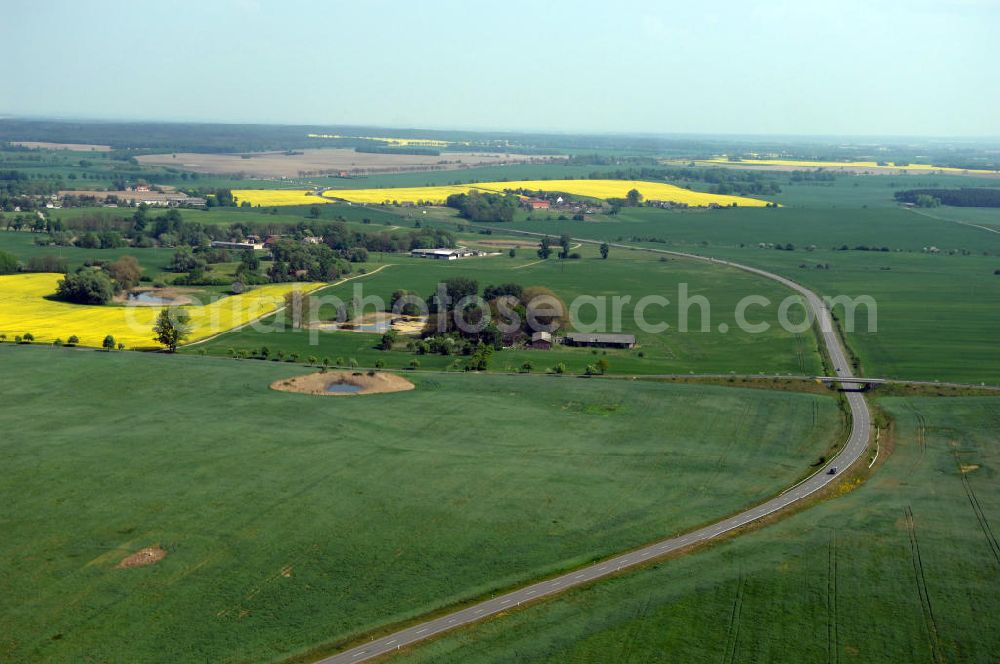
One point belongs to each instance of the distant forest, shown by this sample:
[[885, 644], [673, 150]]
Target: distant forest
[[965, 197]]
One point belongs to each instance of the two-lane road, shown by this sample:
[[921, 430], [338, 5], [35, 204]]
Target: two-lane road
[[852, 450]]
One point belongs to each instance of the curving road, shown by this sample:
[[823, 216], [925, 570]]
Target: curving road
[[852, 450]]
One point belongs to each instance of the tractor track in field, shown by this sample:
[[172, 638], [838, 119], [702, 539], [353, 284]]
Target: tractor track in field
[[733, 633], [833, 616], [930, 622], [977, 508]]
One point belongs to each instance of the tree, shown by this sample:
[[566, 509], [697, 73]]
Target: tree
[[86, 287], [605, 248], [545, 248], [314, 212], [8, 263], [513, 252], [388, 339], [125, 271], [73, 340], [603, 365], [28, 337], [171, 328], [108, 343], [633, 198], [299, 306], [564, 243]]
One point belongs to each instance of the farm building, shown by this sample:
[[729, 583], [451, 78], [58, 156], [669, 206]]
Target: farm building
[[541, 341], [219, 244], [600, 340], [446, 254], [537, 204]]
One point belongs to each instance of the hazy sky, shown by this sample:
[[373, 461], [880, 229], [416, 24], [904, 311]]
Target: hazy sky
[[921, 67]]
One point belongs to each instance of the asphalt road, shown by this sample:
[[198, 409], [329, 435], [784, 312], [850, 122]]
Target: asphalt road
[[852, 450]]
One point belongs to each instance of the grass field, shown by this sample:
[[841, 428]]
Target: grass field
[[602, 189], [873, 166], [291, 520], [26, 307], [902, 569], [633, 275], [937, 312]]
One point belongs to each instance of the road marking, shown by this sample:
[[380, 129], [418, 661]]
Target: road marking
[[421, 631]]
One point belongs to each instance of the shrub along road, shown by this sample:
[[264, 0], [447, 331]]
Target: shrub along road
[[852, 450]]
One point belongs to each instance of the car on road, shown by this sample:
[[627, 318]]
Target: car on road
[[832, 471]]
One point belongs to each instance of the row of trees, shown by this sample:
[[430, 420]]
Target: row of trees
[[964, 197]]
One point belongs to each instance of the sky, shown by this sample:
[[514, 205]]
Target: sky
[[845, 67]]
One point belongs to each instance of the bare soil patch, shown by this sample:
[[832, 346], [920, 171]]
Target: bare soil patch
[[143, 557], [75, 147], [319, 383], [507, 244], [328, 161]]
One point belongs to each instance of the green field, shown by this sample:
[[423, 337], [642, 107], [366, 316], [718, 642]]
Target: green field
[[292, 520], [902, 569], [632, 274], [937, 312]]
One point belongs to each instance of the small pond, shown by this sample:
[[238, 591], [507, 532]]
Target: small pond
[[343, 388], [148, 297]]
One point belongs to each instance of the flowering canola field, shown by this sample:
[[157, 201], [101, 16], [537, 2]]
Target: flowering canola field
[[603, 189], [278, 197], [23, 308], [873, 165]]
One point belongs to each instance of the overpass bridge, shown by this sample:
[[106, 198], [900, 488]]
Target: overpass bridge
[[859, 383]]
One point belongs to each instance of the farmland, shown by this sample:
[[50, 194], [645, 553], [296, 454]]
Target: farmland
[[26, 307], [600, 189], [259, 497], [915, 290], [630, 275], [846, 166], [842, 581], [319, 161]]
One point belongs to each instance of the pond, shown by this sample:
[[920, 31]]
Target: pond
[[147, 297], [343, 388], [380, 327]]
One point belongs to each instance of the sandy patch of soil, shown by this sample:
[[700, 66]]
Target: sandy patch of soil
[[969, 467], [318, 161], [143, 557], [317, 383]]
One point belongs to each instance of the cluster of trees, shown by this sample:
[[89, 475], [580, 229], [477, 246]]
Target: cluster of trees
[[545, 248], [501, 315], [299, 261], [389, 149], [477, 206], [964, 197], [99, 284], [144, 228]]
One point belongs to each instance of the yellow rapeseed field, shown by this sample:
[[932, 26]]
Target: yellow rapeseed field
[[603, 189], [872, 165], [277, 197], [24, 308]]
